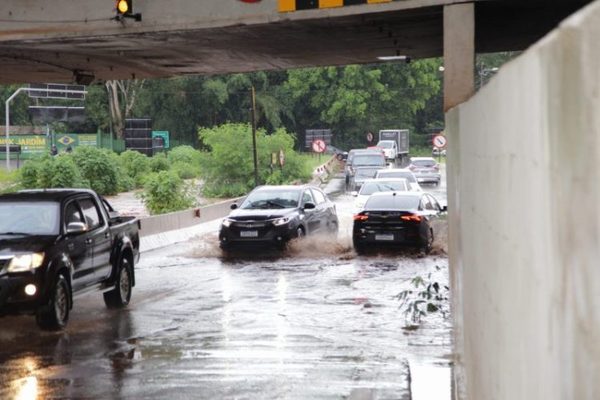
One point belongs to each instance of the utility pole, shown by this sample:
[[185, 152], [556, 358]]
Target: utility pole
[[254, 137]]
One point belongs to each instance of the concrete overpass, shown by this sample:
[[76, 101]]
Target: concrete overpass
[[522, 167], [61, 40]]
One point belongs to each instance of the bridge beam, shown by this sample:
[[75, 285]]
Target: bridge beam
[[459, 54]]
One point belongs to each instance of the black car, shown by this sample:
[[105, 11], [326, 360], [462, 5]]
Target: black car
[[272, 215], [396, 219]]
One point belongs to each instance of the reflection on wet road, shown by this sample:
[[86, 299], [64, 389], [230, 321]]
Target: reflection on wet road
[[314, 323]]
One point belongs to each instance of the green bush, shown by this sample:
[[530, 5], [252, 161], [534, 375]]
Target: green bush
[[135, 165], [185, 160], [184, 154], [51, 172], [96, 167], [228, 170], [165, 192], [159, 163], [125, 183]]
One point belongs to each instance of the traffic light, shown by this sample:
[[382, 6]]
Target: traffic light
[[125, 10]]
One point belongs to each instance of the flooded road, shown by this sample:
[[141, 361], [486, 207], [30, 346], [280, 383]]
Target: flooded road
[[316, 322]]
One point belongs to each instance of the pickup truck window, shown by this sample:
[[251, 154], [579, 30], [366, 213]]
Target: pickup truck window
[[72, 213], [90, 213], [27, 218]]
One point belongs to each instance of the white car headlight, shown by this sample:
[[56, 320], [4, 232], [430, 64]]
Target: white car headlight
[[227, 222], [26, 262], [282, 221]]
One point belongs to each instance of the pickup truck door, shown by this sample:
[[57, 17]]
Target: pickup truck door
[[99, 235], [78, 249]]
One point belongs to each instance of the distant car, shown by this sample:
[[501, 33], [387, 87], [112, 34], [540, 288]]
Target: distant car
[[272, 215], [378, 185], [362, 174], [362, 158], [426, 170], [390, 149], [400, 173], [397, 219]]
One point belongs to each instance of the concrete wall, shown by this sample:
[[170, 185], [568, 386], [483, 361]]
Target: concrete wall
[[524, 199]]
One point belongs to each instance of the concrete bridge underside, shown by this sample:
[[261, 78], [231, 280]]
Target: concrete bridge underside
[[43, 43]]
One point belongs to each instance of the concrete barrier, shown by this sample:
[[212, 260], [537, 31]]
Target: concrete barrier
[[524, 196], [162, 230]]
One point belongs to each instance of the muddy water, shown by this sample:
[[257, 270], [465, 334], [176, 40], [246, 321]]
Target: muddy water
[[314, 322]]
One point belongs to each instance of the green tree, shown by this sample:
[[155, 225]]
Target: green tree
[[228, 169]]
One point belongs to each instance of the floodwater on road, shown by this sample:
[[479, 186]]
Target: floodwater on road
[[316, 322]]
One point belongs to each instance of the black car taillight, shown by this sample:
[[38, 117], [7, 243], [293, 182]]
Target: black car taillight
[[411, 218]]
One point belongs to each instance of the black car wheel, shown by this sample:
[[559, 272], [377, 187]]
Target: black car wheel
[[54, 315], [427, 242], [120, 296], [359, 247]]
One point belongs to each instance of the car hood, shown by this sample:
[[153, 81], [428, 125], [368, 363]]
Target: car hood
[[15, 244], [260, 215]]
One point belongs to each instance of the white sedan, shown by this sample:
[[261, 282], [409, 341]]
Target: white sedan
[[378, 185]]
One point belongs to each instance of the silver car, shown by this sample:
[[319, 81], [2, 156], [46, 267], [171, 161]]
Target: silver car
[[426, 170]]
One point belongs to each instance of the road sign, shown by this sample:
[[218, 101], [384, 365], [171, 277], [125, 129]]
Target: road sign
[[313, 134], [57, 91], [281, 158], [440, 141], [319, 146], [370, 137]]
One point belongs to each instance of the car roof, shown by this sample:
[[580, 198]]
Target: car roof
[[422, 159], [396, 170], [379, 180], [399, 193], [44, 194], [284, 187]]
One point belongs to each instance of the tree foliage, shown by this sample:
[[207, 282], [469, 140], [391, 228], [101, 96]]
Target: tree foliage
[[165, 192], [228, 169]]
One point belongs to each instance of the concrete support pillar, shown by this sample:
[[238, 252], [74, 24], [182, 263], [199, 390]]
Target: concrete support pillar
[[459, 54]]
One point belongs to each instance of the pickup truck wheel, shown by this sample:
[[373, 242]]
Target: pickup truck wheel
[[54, 315], [121, 294]]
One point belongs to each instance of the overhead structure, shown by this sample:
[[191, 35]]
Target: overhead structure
[[43, 41]]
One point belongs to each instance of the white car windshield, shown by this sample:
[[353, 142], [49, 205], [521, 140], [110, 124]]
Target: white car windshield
[[382, 186], [409, 176]]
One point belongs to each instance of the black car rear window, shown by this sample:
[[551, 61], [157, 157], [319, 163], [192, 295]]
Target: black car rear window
[[397, 202]]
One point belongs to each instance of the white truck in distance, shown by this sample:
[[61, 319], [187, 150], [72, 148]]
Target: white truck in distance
[[394, 143]]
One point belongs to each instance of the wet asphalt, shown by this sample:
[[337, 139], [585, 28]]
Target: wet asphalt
[[316, 322]]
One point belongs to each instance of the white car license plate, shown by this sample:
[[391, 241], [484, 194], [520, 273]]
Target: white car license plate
[[248, 234], [384, 237]]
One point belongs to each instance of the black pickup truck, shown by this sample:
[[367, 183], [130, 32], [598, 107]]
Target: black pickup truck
[[59, 242]]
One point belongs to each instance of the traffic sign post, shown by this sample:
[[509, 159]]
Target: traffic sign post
[[62, 92], [439, 142]]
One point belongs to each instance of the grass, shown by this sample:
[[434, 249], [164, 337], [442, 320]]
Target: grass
[[312, 160], [7, 180]]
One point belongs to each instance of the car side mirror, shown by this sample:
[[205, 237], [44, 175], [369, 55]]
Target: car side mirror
[[309, 206], [233, 206], [75, 228], [444, 208], [354, 193], [113, 216]]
